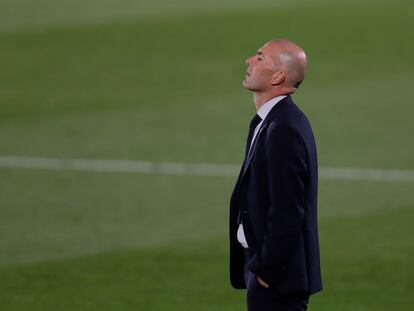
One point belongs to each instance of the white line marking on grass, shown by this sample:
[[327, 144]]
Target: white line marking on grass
[[371, 174], [117, 166], [199, 169]]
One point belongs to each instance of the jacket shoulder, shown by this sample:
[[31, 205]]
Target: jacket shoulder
[[289, 117]]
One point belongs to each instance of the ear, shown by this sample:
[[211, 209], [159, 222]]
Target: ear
[[278, 77]]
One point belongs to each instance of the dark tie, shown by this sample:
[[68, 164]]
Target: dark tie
[[255, 121]]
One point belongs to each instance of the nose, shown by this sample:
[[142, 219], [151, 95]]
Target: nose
[[248, 60]]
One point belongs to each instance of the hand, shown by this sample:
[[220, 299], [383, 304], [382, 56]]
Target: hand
[[261, 282]]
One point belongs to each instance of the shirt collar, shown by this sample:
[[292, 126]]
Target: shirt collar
[[267, 106]]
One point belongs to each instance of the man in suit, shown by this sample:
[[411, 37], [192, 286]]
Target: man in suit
[[274, 248]]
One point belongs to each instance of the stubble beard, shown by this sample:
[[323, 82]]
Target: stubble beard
[[248, 85]]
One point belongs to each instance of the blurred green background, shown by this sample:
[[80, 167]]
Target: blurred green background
[[161, 81]]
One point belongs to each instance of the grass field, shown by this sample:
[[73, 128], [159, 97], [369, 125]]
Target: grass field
[[161, 81]]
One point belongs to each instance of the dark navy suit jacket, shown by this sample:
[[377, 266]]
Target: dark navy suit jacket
[[276, 196]]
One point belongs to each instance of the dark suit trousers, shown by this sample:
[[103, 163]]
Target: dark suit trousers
[[260, 298]]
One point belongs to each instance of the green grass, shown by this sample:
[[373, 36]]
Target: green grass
[[162, 82], [366, 271]]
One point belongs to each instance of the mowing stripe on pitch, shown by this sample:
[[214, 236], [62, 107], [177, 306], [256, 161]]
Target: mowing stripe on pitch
[[200, 169]]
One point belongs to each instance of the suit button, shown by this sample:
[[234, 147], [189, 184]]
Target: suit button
[[283, 268]]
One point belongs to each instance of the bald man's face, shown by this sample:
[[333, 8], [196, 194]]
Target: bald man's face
[[261, 68], [278, 67]]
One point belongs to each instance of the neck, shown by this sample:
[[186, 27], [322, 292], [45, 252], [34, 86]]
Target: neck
[[261, 98]]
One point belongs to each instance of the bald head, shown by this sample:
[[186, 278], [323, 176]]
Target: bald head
[[278, 68], [290, 58]]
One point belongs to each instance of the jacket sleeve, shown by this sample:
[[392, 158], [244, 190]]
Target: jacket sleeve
[[287, 165]]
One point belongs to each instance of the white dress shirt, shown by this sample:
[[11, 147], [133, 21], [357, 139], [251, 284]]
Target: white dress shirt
[[262, 112]]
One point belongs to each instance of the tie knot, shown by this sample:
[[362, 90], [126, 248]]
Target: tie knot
[[255, 121]]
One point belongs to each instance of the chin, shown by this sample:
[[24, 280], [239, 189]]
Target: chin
[[246, 85]]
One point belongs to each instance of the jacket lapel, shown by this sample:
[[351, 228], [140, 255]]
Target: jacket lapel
[[272, 114], [253, 148]]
